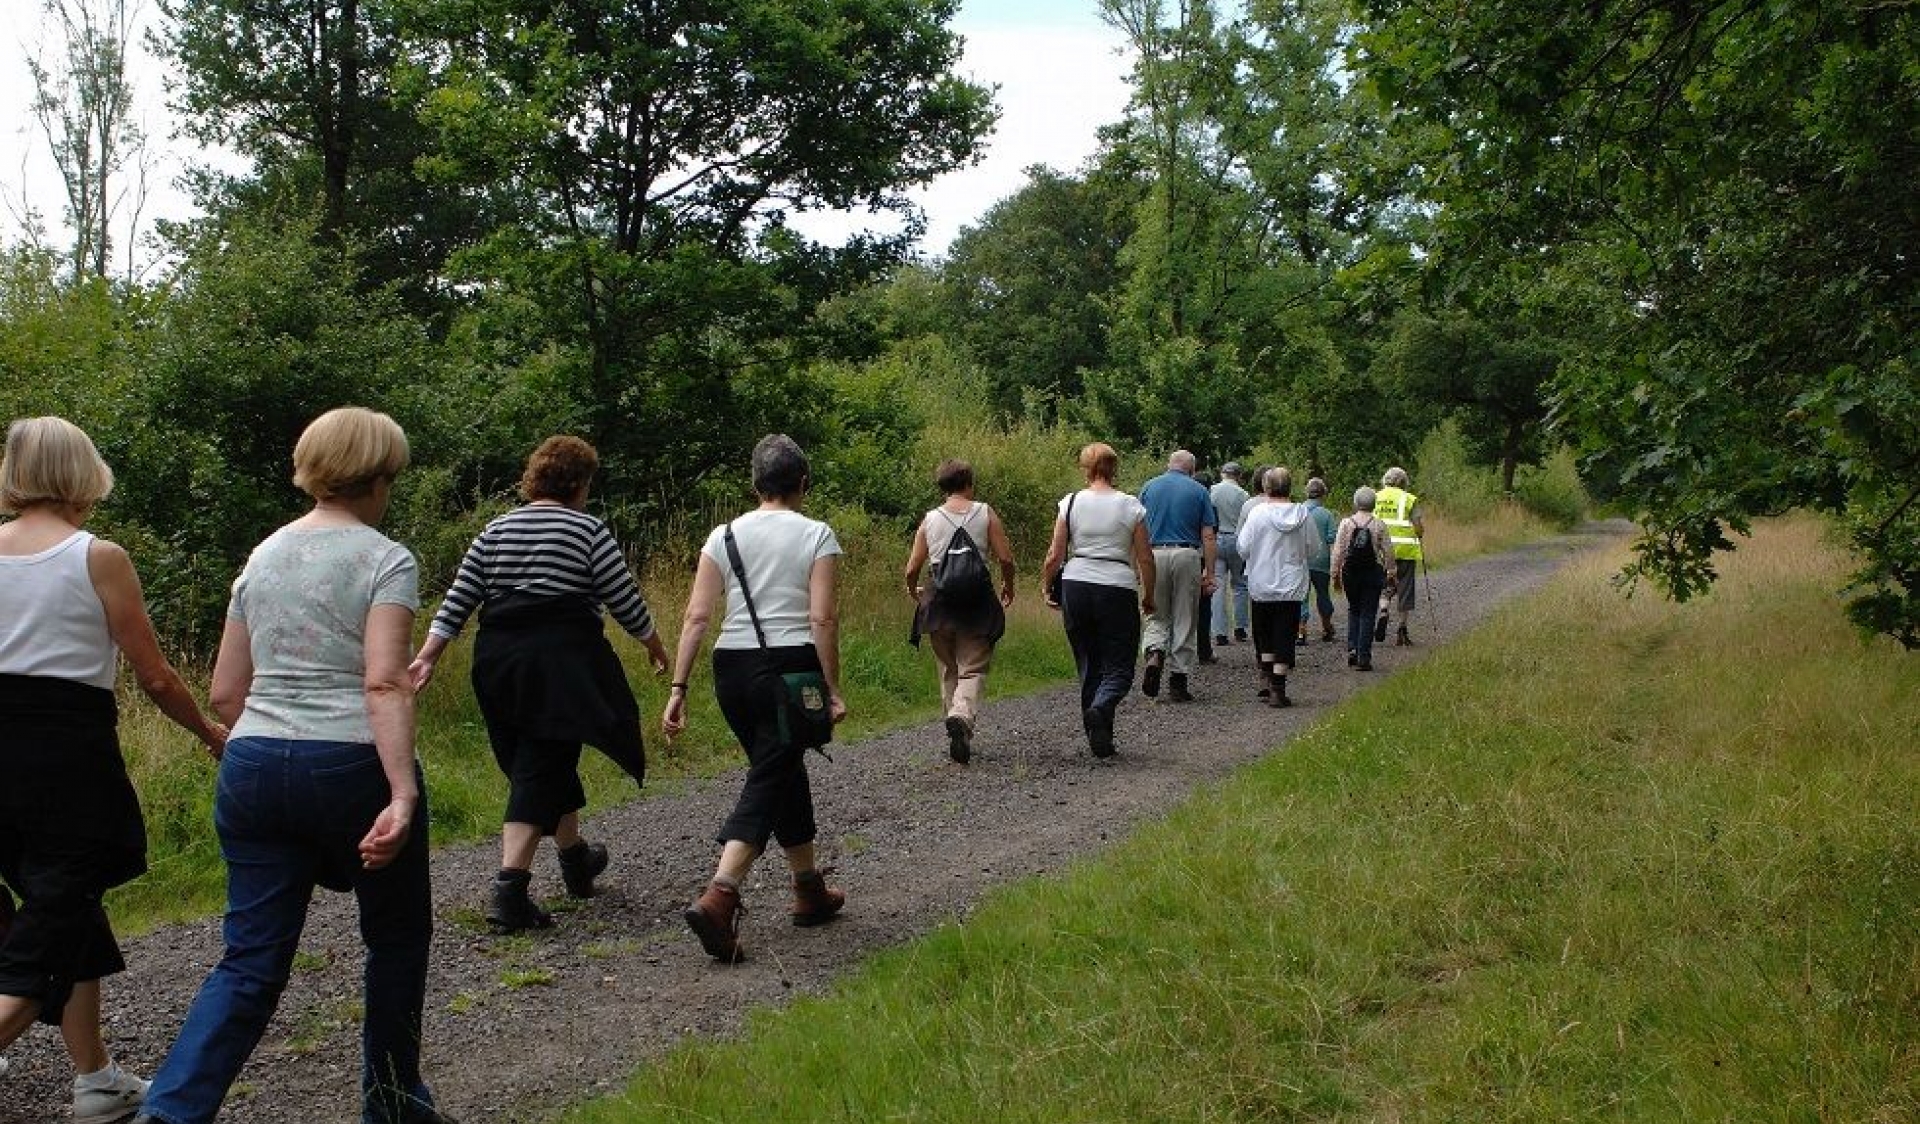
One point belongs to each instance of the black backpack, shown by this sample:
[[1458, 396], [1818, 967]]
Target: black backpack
[[961, 580], [1361, 561]]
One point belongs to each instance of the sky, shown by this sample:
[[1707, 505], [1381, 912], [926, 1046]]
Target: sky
[[1059, 71]]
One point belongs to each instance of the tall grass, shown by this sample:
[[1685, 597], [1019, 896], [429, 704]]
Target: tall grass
[[1601, 860]]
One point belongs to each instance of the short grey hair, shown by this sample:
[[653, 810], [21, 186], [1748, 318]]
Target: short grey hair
[[1279, 482], [780, 469], [1182, 461], [1394, 478], [1316, 487], [1363, 498]]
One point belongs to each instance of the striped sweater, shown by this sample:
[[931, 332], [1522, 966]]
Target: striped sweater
[[544, 550]]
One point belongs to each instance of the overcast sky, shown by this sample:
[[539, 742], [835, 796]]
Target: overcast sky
[[1058, 68]]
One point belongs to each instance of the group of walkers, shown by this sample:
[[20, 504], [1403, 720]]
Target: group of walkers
[[313, 689]]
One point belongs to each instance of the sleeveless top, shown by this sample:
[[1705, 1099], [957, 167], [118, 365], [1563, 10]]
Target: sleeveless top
[[939, 524], [52, 624]]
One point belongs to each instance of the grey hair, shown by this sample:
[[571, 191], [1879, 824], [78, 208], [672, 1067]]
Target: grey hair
[[1316, 487], [1279, 482], [1394, 478], [1363, 498], [1182, 461], [780, 468]]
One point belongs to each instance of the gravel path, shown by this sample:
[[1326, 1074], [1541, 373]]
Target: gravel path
[[519, 1027]]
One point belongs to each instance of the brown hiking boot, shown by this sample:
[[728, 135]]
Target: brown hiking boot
[[814, 903], [1326, 628], [714, 918]]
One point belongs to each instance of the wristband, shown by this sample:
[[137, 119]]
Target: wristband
[[676, 686]]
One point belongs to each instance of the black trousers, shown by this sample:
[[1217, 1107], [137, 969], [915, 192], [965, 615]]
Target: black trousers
[[1276, 628], [776, 802], [1103, 627]]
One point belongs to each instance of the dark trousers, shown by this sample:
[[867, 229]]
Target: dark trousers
[[1103, 627], [776, 802], [290, 816], [1276, 628], [59, 936], [1363, 602]]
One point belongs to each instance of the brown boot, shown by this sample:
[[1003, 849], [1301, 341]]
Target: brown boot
[[714, 918], [1326, 628], [813, 902]]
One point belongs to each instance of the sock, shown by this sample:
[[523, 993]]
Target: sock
[[99, 1079], [509, 874]]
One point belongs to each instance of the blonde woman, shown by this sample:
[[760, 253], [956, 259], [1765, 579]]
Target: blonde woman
[[70, 826], [319, 786]]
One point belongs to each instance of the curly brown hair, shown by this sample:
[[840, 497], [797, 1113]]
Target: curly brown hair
[[559, 469]]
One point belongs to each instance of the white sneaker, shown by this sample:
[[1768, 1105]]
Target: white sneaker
[[110, 1101]]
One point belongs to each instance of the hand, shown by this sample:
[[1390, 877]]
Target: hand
[[1208, 584], [1006, 595], [837, 707], [916, 592], [420, 671], [659, 662], [1146, 604], [388, 835], [674, 718], [217, 745]]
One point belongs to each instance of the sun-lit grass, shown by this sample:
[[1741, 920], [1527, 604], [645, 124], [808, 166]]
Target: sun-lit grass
[[1600, 860]]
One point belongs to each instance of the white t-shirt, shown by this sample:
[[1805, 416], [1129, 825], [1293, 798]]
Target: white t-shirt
[[1100, 537], [1277, 539], [778, 550], [51, 621]]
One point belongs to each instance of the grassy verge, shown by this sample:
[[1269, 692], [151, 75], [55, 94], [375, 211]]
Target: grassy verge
[[1603, 859], [888, 684]]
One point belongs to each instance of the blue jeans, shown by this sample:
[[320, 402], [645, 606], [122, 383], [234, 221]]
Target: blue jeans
[[290, 816], [1230, 584]]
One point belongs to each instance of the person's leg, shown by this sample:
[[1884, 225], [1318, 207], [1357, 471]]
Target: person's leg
[[270, 878], [1157, 635], [1261, 626], [1406, 576], [1183, 583], [942, 641], [396, 925], [1080, 622], [972, 659], [1119, 645], [1323, 598], [518, 844], [80, 1028], [1222, 588], [1366, 606], [1237, 578]]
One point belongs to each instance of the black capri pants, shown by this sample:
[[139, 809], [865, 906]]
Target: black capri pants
[[776, 802]]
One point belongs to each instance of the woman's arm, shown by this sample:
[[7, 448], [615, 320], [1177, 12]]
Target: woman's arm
[[1342, 542], [707, 587], [1056, 557], [390, 713], [1002, 548], [118, 587], [232, 672], [1143, 563], [824, 614], [916, 558]]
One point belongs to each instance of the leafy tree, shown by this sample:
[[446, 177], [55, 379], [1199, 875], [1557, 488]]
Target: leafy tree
[[1736, 181], [1491, 372], [84, 105]]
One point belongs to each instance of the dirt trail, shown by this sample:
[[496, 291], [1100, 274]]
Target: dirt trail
[[520, 1027]]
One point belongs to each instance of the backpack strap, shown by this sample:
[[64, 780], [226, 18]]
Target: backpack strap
[[746, 591]]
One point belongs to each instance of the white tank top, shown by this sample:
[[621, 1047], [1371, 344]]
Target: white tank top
[[51, 621]]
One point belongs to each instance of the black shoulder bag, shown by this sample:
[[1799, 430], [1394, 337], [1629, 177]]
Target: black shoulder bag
[[1053, 587], [804, 717]]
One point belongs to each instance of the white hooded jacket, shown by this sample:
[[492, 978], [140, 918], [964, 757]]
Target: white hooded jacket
[[1277, 539]]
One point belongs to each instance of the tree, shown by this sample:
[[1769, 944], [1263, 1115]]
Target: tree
[[1736, 183], [84, 105], [1491, 371], [658, 149]]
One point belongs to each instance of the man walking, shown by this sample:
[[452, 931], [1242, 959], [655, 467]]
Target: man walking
[[1230, 571], [1180, 525], [1399, 509]]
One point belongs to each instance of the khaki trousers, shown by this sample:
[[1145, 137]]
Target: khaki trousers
[[1174, 627], [964, 658]]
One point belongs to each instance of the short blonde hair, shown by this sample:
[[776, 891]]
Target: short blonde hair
[[51, 460], [344, 451], [1099, 461]]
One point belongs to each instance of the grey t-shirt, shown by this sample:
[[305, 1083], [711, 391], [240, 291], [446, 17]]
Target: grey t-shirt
[[304, 598]]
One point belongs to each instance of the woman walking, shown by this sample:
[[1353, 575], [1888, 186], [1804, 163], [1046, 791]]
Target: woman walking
[[1276, 537], [546, 678], [1101, 554], [319, 785], [70, 825], [960, 616], [775, 571], [1362, 561]]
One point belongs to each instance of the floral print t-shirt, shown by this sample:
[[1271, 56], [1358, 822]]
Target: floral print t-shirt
[[304, 597]]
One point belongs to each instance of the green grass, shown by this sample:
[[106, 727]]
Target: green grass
[[1600, 860]]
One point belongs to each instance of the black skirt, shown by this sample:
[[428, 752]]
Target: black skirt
[[62, 776], [543, 669]]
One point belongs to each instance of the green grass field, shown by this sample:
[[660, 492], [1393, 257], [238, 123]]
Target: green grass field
[[1600, 860], [887, 684]]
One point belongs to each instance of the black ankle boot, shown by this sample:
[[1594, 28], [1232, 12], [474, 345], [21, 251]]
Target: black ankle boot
[[580, 864], [510, 908]]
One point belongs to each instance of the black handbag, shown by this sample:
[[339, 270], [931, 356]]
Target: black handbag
[[804, 718], [1053, 584]]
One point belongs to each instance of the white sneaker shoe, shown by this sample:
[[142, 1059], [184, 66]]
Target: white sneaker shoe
[[107, 1101]]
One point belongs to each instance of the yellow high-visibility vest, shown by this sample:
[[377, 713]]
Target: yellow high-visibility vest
[[1394, 506]]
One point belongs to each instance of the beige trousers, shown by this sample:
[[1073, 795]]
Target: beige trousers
[[964, 659], [1174, 627]]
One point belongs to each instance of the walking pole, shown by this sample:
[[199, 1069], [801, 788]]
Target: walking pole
[[1426, 582]]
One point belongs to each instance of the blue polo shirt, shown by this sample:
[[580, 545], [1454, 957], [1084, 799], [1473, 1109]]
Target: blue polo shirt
[[1178, 506]]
